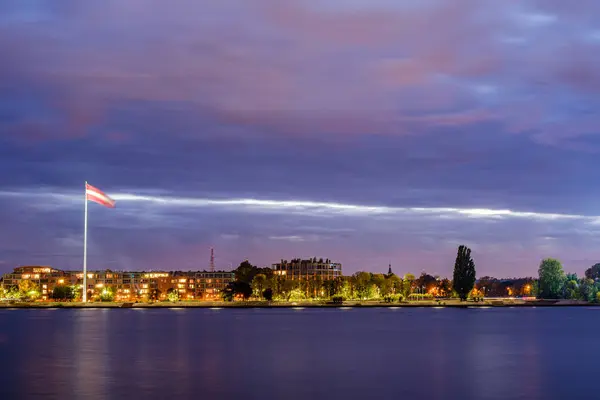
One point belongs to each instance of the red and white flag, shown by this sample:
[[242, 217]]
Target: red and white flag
[[98, 196]]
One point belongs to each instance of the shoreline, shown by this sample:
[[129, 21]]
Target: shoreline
[[250, 304]]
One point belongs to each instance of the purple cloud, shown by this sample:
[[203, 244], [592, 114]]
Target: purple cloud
[[431, 104]]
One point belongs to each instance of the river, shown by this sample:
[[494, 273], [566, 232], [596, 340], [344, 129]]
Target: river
[[374, 353]]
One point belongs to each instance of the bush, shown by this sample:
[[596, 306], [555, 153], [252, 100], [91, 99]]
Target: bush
[[337, 299], [598, 297], [268, 294], [390, 298], [107, 295], [419, 296]]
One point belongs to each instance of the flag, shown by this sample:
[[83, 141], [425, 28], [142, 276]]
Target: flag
[[98, 196]]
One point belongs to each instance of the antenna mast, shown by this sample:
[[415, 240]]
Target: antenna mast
[[212, 259]]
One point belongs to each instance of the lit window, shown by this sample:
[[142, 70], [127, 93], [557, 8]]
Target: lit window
[[90, 276], [99, 285], [61, 281], [145, 286], [183, 280]]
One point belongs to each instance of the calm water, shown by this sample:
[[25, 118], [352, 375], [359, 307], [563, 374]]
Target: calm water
[[543, 353]]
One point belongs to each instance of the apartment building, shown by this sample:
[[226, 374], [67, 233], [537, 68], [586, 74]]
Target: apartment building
[[298, 269], [126, 285]]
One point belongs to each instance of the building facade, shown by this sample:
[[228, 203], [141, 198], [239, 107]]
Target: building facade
[[125, 285], [298, 269]]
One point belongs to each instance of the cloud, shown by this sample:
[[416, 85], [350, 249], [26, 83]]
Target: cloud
[[293, 68], [352, 120], [157, 232], [307, 207], [288, 238]]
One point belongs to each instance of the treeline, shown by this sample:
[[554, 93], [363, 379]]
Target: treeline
[[262, 283], [552, 283]]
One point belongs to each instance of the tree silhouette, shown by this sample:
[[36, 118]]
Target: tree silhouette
[[464, 272]]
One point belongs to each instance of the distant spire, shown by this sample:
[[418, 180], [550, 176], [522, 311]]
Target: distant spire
[[390, 269]]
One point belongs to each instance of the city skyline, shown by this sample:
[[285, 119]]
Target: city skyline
[[273, 129]]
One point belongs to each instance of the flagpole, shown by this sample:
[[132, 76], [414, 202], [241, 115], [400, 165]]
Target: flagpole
[[85, 223]]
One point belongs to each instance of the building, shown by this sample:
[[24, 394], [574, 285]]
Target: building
[[210, 284], [125, 285], [298, 269]]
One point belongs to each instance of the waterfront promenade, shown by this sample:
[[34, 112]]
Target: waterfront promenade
[[305, 304]]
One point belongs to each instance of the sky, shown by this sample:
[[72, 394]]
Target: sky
[[369, 133]]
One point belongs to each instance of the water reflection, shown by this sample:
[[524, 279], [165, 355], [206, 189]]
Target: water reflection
[[283, 353], [90, 353]]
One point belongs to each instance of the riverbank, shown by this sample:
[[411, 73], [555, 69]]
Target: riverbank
[[313, 304]]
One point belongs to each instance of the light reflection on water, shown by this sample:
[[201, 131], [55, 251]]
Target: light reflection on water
[[282, 353]]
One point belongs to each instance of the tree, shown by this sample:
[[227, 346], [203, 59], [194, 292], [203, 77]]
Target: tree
[[407, 285], [333, 286], [364, 287], [571, 287], [228, 293], [258, 283], [593, 272], [345, 290], [296, 295], [444, 288], [426, 281], [463, 279], [173, 295], [107, 294], [28, 289], [390, 285], [551, 279], [287, 287], [379, 281], [246, 272], [268, 294], [242, 288], [587, 289], [63, 292], [236, 288], [12, 293]]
